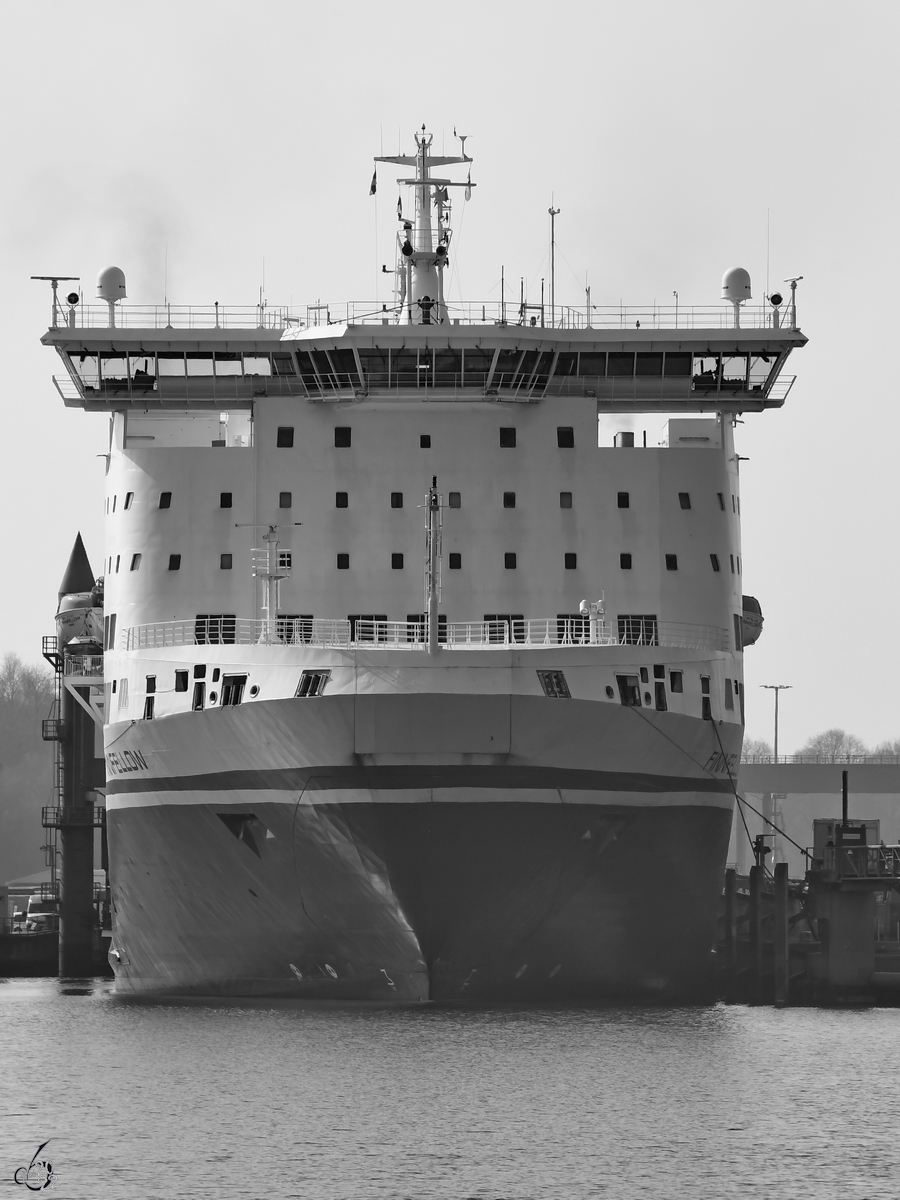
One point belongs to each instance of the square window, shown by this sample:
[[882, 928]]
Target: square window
[[225, 562], [455, 500], [224, 499], [554, 685], [509, 562], [565, 499], [704, 685], [714, 560], [135, 562], [151, 684], [571, 562], [508, 437], [509, 499], [455, 562], [622, 500], [425, 441], [343, 562], [396, 499], [676, 681], [342, 435], [659, 671], [285, 559], [684, 499], [341, 500], [284, 500], [645, 675], [165, 499], [671, 562], [565, 437], [174, 562], [181, 681], [396, 562], [625, 562], [285, 437], [200, 671], [129, 498]]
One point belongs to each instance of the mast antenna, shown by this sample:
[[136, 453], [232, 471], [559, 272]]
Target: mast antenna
[[554, 212]]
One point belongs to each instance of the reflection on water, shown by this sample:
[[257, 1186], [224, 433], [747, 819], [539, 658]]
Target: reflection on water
[[281, 1099]]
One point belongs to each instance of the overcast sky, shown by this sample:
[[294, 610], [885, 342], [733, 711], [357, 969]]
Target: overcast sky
[[189, 142]]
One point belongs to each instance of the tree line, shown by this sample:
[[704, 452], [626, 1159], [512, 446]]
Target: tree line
[[26, 765], [834, 744]]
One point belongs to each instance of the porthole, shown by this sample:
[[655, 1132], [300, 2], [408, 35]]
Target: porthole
[[254, 691], [647, 697], [610, 693], [213, 696]]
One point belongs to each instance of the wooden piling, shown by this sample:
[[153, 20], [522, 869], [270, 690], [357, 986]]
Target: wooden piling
[[756, 944], [780, 944], [730, 940]]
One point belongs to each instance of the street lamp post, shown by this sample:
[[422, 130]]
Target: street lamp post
[[776, 688]]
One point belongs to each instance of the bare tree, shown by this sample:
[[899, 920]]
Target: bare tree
[[891, 746], [26, 765], [756, 748], [834, 744]]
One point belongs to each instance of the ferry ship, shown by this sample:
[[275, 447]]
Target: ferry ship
[[423, 669]]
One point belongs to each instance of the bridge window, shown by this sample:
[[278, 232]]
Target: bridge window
[[678, 365], [257, 364], [566, 363], [649, 364], [227, 363], [476, 367], [592, 364], [283, 364], [214, 629], [620, 366], [199, 362]]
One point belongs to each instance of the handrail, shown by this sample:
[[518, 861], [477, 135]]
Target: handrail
[[846, 760], [285, 318], [411, 635]]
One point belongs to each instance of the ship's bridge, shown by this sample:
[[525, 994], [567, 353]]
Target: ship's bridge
[[643, 359]]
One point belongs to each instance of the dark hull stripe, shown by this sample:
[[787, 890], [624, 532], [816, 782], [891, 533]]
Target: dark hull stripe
[[422, 776]]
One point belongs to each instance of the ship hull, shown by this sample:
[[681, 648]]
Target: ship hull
[[556, 870]]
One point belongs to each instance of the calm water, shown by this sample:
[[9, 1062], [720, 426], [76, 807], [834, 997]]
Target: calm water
[[281, 1100]]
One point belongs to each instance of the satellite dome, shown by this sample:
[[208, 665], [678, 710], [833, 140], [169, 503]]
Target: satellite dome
[[111, 284], [736, 285]]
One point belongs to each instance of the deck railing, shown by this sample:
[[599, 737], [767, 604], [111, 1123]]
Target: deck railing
[[412, 635], [374, 312]]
